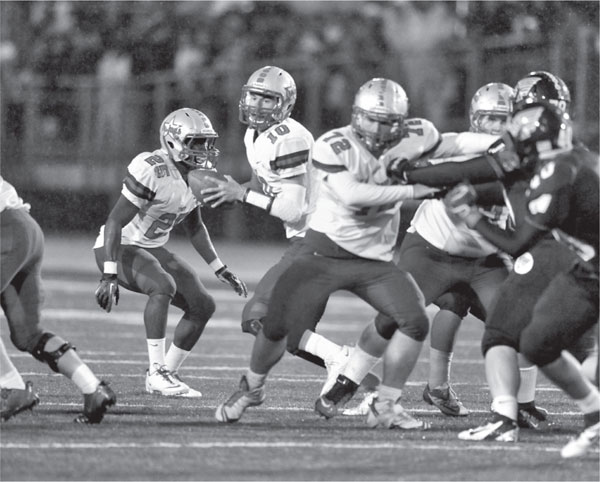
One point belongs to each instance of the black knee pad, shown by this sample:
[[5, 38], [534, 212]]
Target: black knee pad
[[493, 338], [50, 358]]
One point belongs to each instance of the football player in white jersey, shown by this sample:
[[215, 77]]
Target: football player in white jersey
[[284, 183], [349, 244], [21, 290], [130, 249]]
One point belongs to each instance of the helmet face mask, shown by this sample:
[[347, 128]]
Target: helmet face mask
[[189, 138], [378, 113], [490, 108], [540, 131], [541, 86], [267, 98]]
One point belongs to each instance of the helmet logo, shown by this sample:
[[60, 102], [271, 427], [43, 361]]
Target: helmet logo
[[172, 128]]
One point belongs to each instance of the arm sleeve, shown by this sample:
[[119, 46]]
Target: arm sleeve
[[358, 194], [514, 242], [479, 170], [464, 143]]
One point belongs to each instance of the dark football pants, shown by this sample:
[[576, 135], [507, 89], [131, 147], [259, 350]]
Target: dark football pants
[[300, 297], [21, 254], [437, 273], [158, 271], [565, 311], [257, 306], [513, 308]]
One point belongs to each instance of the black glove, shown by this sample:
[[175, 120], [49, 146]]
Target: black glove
[[503, 152], [226, 276], [396, 169], [106, 291]]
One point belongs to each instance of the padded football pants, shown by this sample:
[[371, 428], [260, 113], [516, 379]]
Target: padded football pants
[[22, 251]]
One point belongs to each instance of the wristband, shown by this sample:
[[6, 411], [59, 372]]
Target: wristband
[[257, 199], [216, 264], [110, 267]]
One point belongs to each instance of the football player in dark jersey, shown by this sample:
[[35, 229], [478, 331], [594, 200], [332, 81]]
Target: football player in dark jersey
[[561, 199]]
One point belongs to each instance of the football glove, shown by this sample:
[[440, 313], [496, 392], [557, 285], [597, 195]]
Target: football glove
[[225, 276], [396, 169], [107, 290]]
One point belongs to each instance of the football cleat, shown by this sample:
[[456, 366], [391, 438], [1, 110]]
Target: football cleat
[[583, 443], [342, 391], [16, 400], [389, 414], [191, 393], [363, 407], [95, 404], [446, 400], [233, 409], [531, 416], [162, 382], [500, 429]]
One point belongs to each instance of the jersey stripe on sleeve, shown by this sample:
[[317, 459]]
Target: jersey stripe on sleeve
[[328, 167], [290, 160], [138, 189]]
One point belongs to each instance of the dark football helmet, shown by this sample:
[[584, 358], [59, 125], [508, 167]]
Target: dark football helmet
[[541, 86], [539, 131]]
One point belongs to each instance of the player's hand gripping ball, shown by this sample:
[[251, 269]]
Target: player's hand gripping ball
[[199, 179]]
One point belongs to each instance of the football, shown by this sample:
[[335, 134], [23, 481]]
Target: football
[[201, 179]]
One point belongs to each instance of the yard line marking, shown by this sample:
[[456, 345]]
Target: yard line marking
[[409, 445]]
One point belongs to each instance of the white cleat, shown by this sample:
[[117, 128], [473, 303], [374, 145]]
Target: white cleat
[[191, 393], [162, 382], [501, 429], [387, 414], [233, 409], [362, 408], [584, 443]]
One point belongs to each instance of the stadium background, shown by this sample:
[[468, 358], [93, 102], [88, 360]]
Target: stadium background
[[85, 85]]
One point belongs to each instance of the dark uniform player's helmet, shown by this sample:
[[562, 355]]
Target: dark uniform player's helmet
[[541, 86], [539, 131]]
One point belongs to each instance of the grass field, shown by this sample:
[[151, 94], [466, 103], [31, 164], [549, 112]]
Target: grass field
[[145, 437]]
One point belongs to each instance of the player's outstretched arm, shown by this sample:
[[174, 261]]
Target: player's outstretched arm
[[200, 239]]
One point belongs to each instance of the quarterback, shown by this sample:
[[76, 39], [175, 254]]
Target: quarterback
[[130, 249]]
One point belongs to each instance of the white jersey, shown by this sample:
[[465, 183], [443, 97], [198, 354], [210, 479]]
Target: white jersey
[[369, 232], [431, 219], [9, 199], [283, 151], [156, 187]]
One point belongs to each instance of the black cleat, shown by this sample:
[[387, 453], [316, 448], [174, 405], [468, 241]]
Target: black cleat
[[95, 404], [341, 393], [16, 400], [531, 416]]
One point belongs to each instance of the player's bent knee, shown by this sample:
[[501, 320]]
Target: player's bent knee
[[492, 338], [274, 330], [538, 353], [50, 348], [201, 309], [385, 326], [416, 327]]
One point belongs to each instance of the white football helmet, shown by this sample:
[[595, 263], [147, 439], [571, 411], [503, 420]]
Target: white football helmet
[[269, 81], [378, 114], [188, 136], [494, 99]]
